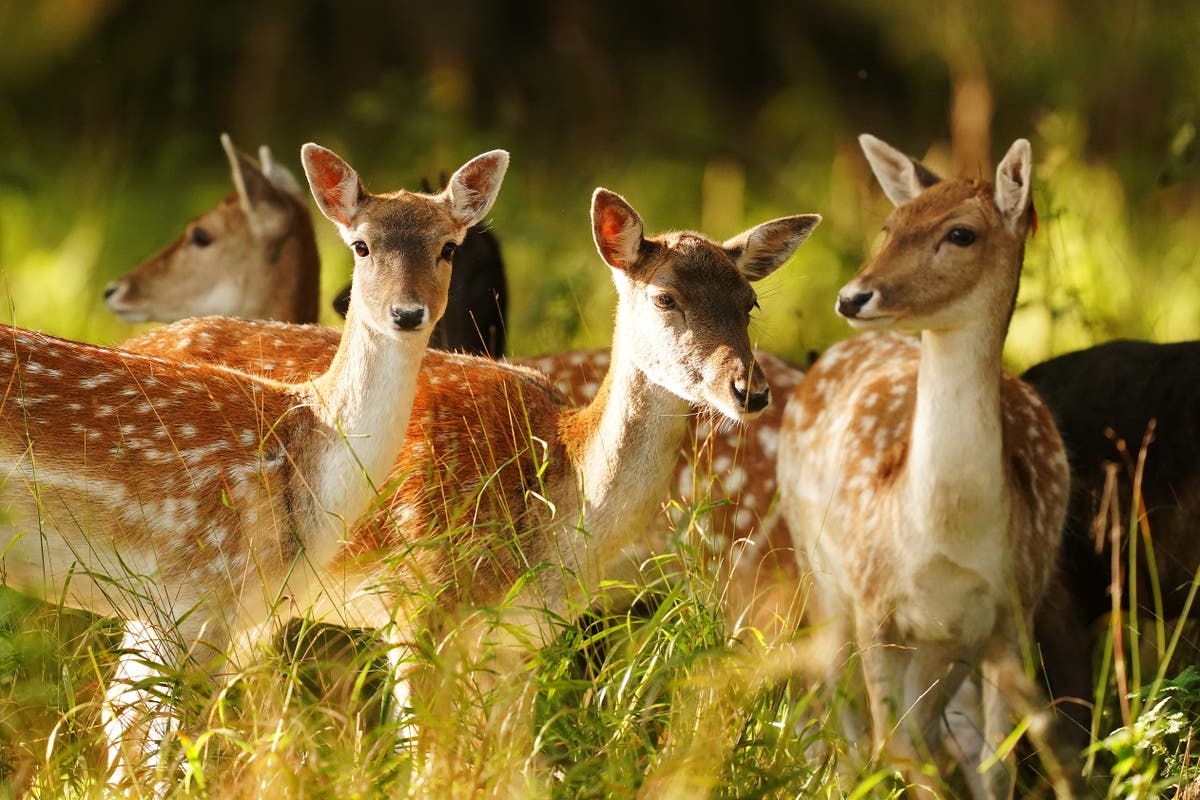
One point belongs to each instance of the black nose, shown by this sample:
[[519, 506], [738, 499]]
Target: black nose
[[407, 319], [850, 306], [752, 402], [110, 290]]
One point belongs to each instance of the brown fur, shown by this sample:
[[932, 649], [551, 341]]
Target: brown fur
[[926, 488], [734, 466]]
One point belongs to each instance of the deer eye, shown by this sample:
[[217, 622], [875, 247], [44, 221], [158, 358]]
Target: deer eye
[[360, 249], [961, 237], [448, 251], [664, 301], [201, 237]]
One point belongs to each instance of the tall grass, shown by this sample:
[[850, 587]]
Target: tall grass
[[660, 699]]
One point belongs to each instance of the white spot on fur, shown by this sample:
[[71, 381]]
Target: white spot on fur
[[95, 381], [735, 480]]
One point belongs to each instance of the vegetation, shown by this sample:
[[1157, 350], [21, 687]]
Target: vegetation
[[706, 115]]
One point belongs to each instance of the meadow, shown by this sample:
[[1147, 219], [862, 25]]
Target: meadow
[[665, 697]]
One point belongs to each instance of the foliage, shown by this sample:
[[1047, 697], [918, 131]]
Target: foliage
[[699, 129], [1157, 751], [705, 115]]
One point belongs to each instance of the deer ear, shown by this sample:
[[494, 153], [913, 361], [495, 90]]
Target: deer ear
[[279, 176], [764, 248], [1012, 183], [901, 177], [473, 188], [259, 198], [617, 229], [335, 186]]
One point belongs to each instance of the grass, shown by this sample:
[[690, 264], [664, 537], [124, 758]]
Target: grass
[[661, 699]]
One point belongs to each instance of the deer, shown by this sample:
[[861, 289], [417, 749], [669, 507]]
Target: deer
[[478, 295], [924, 487], [506, 492], [193, 501], [732, 466], [1110, 401], [254, 256]]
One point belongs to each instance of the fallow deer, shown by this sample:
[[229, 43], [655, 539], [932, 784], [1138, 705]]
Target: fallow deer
[[924, 487], [506, 495], [191, 499], [254, 256]]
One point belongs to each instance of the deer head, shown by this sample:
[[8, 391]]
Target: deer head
[[952, 249], [424, 253], [230, 260], [689, 298]]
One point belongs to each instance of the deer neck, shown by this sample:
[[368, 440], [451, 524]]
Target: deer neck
[[624, 446], [292, 278], [955, 477], [363, 403]]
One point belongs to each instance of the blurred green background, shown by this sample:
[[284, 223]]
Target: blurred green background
[[705, 115]]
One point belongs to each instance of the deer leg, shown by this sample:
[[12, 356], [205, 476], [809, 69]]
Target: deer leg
[[907, 686], [1009, 693], [998, 723], [400, 677], [963, 736], [138, 715], [934, 674]]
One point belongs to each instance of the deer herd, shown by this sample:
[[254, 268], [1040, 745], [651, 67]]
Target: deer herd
[[900, 509]]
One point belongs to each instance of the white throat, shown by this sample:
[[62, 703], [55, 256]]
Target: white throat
[[955, 473], [625, 466], [365, 401]]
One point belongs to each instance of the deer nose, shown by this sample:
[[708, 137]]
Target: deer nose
[[111, 289], [850, 306], [751, 402], [407, 319]]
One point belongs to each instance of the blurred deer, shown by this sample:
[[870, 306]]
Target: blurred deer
[[505, 495], [254, 256], [1109, 401], [924, 487], [192, 500]]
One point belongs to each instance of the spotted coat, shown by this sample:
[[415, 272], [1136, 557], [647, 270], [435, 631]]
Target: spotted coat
[[849, 424], [741, 531]]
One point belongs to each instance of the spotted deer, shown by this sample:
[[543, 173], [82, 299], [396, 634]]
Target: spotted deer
[[505, 493], [924, 487], [254, 256], [192, 500]]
